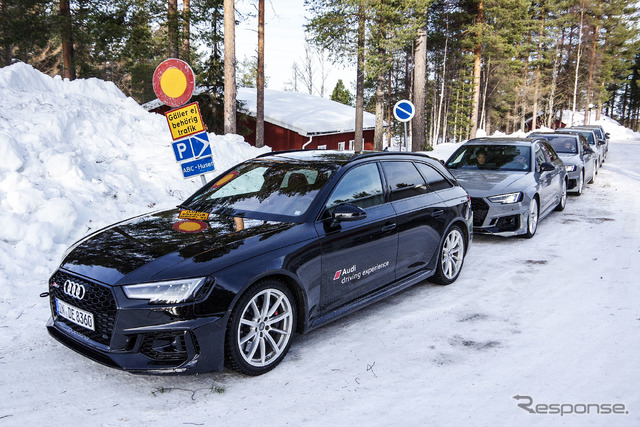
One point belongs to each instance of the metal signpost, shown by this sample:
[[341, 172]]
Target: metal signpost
[[174, 83], [404, 111]]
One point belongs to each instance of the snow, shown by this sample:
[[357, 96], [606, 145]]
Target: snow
[[303, 113], [555, 318]]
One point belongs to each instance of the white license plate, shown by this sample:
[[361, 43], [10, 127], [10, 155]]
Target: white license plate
[[74, 314]]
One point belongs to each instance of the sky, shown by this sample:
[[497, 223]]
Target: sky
[[284, 42]]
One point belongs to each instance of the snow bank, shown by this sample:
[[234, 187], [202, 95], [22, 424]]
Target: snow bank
[[76, 156]]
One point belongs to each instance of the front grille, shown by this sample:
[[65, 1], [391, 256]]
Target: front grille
[[98, 300], [480, 210]]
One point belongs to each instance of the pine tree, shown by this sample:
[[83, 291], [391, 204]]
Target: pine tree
[[341, 94]]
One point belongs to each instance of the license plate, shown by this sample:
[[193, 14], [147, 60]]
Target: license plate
[[74, 314]]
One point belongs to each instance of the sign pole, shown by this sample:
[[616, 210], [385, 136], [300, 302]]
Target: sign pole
[[404, 111], [406, 148]]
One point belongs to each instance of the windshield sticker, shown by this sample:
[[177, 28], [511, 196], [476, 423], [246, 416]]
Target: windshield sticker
[[222, 181], [186, 214], [190, 226], [351, 273]]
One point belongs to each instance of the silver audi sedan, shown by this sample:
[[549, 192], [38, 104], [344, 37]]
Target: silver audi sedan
[[513, 183], [578, 157]]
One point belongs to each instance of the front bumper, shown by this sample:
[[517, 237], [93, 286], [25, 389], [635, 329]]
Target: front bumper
[[159, 339], [499, 219], [573, 177]]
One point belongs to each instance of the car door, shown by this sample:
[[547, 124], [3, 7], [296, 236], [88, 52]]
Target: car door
[[421, 216], [546, 188], [358, 256], [587, 158]]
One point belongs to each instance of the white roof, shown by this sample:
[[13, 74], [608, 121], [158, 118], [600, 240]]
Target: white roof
[[303, 113]]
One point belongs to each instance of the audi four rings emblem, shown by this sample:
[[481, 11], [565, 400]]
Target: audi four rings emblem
[[74, 289]]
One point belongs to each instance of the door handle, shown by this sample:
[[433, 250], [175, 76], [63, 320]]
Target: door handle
[[437, 213], [388, 227]]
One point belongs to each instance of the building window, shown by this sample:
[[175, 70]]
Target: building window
[[341, 145], [322, 147], [351, 144]]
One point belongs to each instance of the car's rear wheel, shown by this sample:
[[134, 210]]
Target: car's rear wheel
[[532, 219], [261, 328], [563, 197], [451, 257]]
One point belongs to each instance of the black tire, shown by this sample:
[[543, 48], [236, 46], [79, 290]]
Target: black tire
[[563, 198], [256, 342], [450, 257], [580, 184], [532, 219]]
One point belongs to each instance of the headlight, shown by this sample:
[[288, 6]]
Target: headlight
[[506, 198], [570, 168], [170, 292]]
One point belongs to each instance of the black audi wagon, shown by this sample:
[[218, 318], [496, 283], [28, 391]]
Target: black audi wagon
[[279, 244]]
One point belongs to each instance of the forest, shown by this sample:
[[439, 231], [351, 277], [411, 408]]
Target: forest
[[465, 64]]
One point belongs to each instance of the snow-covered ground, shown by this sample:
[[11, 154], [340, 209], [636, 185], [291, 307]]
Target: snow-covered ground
[[554, 320]]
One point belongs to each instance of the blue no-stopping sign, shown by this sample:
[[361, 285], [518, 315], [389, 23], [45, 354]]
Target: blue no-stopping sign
[[404, 110]]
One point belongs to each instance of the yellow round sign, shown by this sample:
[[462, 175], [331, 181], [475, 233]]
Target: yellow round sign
[[173, 82]]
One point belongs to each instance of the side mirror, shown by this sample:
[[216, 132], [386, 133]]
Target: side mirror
[[348, 212], [588, 151], [547, 167], [607, 135]]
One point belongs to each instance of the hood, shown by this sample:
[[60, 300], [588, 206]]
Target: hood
[[152, 246], [479, 183]]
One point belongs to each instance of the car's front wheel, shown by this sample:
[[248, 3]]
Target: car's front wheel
[[580, 183], [532, 219], [261, 328], [451, 257], [563, 197]]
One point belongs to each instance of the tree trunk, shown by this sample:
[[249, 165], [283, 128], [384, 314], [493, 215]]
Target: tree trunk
[[575, 83], [592, 68], [441, 102], [229, 67], [69, 71], [186, 29], [477, 63], [5, 34], [358, 141], [536, 83], [172, 28], [419, 121], [260, 78]]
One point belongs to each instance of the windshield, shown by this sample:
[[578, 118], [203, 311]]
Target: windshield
[[563, 143], [260, 189], [492, 157]]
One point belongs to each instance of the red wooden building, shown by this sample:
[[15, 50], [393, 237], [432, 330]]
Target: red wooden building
[[297, 120]]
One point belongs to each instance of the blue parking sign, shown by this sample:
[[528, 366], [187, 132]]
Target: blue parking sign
[[194, 147], [197, 167]]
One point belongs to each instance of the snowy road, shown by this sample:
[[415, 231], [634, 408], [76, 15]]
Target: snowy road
[[555, 319]]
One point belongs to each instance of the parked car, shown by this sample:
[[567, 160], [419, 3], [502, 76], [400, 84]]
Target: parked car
[[513, 183], [602, 136], [281, 243], [590, 134], [576, 154]]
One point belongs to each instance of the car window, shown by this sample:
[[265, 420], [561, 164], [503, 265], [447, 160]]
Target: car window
[[360, 186], [258, 188], [404, 179], [491, 157], [563, 143], [434, 178], [540, 157], [549, 152]]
